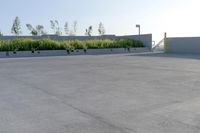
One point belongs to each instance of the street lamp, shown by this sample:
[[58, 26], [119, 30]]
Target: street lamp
[[138, 26]]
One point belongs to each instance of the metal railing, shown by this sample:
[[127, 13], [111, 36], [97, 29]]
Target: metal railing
[[159, 46]]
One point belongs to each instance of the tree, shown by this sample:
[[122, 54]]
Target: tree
[[1, 34], [66, 28], [75, 27], [16, 27], [55, 26], [88, 32], [58, 32], [101, 29], [31, 29], [39, 30], [29, 26], [52, 25]]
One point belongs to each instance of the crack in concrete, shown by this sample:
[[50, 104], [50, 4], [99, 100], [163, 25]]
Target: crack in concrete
[[91, 115]]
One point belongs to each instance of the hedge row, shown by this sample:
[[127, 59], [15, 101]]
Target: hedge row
[[48, 44]]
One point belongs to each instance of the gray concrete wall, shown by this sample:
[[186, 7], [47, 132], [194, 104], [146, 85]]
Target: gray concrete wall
[[187, 45], [146, 38], [76, 52]]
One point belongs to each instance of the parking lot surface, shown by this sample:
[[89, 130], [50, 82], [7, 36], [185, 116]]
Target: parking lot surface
[[143, 93]]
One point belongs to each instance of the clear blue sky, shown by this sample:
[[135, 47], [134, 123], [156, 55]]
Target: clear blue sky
[[176, 17]]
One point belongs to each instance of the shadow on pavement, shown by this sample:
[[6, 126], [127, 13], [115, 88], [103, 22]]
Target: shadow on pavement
[[167, 55]]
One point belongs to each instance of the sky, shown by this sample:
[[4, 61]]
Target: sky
[[176, 17]]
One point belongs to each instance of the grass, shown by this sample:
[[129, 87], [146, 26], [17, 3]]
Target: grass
[[48, 44]]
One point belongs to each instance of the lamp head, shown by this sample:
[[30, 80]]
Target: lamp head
[[137, 25]]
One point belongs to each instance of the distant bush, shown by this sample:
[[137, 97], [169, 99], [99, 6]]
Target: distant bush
[[48, 44]]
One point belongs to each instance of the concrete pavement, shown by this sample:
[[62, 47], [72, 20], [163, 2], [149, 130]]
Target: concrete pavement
[[100, 94]]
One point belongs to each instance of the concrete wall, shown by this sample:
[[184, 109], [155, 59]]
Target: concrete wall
[[76, 52], [187, 45], [146, 39]]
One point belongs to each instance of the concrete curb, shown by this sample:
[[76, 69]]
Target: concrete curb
[[71, 53]]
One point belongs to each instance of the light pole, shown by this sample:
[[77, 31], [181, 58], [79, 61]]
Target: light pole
[[138, 26]]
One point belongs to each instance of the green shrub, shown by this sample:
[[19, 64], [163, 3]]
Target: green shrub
[[48, 44]]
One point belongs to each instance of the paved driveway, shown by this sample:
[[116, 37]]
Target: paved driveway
[[100, 94]]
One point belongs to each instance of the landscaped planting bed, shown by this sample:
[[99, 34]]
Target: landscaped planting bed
[[48, 44]]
